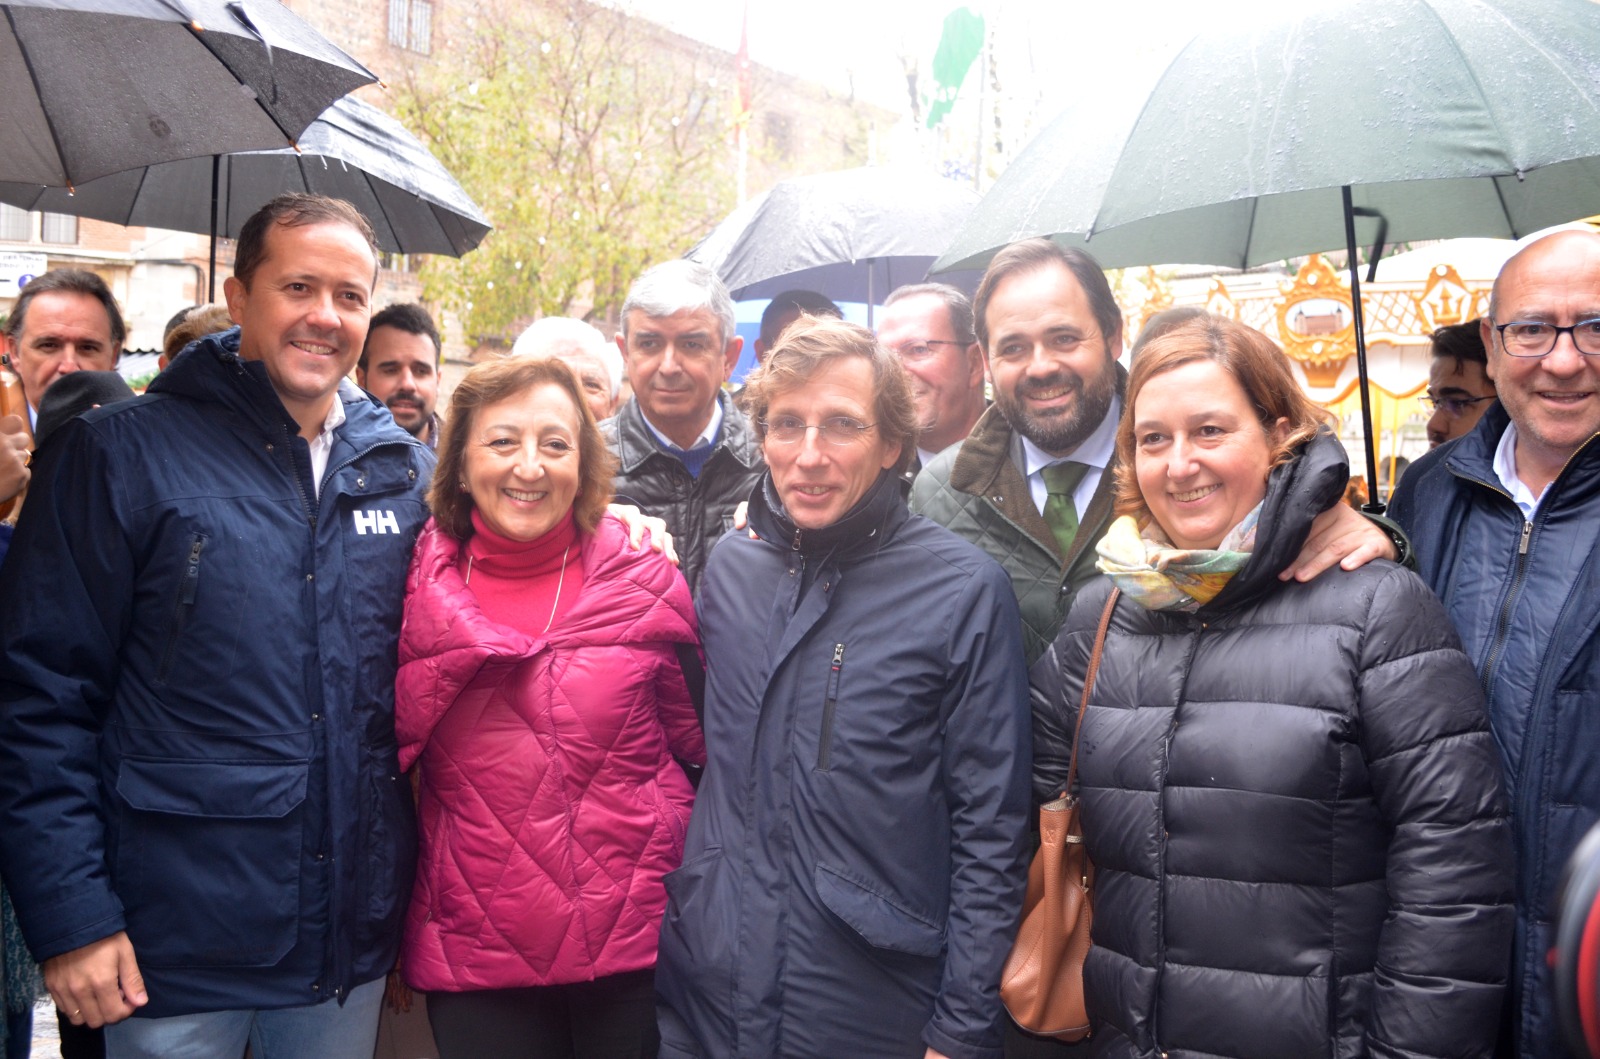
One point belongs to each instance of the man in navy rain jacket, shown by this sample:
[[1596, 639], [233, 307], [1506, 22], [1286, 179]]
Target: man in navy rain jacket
[[854, 866], [202, 823], [1506, 525]]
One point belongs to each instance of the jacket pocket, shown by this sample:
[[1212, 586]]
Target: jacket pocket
[[389, 862], [880, 922], [188, 590], [695, 964], [830, 701], [208, 860]]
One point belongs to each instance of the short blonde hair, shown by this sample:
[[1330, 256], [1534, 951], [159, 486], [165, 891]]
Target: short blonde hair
[[500, 380]]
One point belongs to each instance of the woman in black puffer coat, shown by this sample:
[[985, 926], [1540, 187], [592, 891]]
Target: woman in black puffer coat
[[1290, 792]]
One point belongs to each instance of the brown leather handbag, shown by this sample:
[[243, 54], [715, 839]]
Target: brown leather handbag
[[1042, 982]]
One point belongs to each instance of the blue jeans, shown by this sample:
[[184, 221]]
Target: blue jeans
[[324, 1030]]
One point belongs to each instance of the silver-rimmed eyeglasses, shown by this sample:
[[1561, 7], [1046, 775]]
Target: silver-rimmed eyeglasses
[[835, 430]]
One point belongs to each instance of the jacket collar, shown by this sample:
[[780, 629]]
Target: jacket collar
[[212, 371], [1472, 454], [636, 444], [862, 530], [1297, 492]]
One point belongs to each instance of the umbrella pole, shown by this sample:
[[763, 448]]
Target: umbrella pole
[[211, 274], [870, 263], [1373, 504]]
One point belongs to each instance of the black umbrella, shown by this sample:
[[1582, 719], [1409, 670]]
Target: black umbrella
[[853, 235], [354, 152], [91, 87]]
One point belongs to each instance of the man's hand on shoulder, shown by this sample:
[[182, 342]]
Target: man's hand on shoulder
[[639, 524], [1340, 535], [97, 984], [14, 471]]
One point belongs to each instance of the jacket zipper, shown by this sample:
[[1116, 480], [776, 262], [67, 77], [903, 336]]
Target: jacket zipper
[[825, 742], [1502, 625], [188, 587]]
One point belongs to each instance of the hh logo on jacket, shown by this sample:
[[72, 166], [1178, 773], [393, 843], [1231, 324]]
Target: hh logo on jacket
[[375, 522]]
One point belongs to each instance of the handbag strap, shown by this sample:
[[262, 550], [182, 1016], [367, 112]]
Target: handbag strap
[[1088, 684]]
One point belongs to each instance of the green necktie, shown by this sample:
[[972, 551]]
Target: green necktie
[[1061, 479]]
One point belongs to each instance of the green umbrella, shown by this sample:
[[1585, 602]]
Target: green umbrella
[[1410, 119]]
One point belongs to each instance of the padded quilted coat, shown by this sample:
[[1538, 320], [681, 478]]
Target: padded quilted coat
[[1294, 808], [550, 802]]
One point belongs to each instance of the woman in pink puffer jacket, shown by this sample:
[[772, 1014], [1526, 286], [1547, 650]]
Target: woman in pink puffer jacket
[[541, 695]]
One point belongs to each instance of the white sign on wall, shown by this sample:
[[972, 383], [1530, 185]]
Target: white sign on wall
[[16, 269]]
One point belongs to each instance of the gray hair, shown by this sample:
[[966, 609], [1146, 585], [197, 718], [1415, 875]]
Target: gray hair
[[545, 337], [956, 304], [680, 286]]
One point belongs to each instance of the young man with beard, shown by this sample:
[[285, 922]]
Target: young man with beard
[[399, 366]]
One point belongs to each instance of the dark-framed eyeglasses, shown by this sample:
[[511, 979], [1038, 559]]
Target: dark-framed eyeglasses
[[1455, 407], [835, 430], [1535, 338], [922, 350]]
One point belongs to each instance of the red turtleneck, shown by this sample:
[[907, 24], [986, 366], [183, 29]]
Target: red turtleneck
[[515, 582]]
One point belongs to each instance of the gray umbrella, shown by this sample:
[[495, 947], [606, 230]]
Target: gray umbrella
[[353, 152], [91, 87], [1419, 119], [853, 235]]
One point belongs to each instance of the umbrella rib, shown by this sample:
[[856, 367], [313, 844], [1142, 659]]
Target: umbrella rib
[[254, 96], [1094, 225], [133, 200], [384, 210], [1249, 232], [1472, 73], [1500, 196], [27, 59]]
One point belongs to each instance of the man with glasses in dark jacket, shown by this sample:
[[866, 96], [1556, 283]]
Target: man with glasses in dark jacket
[[202, 821], [1506, 525], [854, 867]]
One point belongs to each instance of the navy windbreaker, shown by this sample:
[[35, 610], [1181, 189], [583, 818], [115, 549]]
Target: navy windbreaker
[[197, 661], [854, 867], [1525, 597]]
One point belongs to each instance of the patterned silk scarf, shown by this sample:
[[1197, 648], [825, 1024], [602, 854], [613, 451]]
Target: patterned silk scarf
[[1158, 576]]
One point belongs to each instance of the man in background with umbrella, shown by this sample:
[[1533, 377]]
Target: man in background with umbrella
[[685, 453], [929, 326], [202, 822], [1506, 524]]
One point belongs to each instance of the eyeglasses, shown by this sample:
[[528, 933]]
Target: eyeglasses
[[924, 349], [1535, 338], [836, 430], [1455, 407]]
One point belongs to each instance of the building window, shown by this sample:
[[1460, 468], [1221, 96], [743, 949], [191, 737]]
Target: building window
[[15, 225], [411, 25], [59, 228]]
